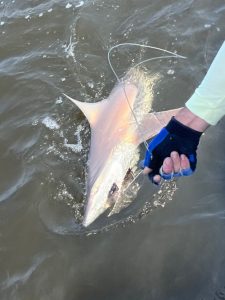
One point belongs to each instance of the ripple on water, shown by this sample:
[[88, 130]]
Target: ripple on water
[[63, 209], [23, 277], [17, 184]]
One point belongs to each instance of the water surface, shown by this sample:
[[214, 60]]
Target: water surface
[[163, 250]]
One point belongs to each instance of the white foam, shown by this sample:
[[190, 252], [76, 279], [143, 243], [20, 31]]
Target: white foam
[[81, 3], [59, 100], [74, 147], [2, 23], [53, 149], [170, 72], [78, 146], [68, 5], [50, 123], [90, 84], [69, 50], [50, 10]]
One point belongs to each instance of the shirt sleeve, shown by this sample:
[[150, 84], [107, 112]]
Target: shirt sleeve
[[208, 100]]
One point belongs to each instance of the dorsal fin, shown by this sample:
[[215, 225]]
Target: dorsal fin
[[90, 110]]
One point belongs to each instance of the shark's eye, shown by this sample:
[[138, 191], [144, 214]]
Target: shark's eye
[[114, 189]]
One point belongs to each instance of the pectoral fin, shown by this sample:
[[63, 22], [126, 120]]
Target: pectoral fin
[[91, 111], [153, 123]]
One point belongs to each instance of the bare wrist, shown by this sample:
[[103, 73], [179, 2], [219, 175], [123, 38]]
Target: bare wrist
[[186, 117]]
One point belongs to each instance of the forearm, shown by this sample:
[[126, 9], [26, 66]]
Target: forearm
[[208, 100], [186, 117]]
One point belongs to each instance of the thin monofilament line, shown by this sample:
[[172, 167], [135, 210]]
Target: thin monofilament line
[[137, 123], [141, 172], [173, 55], [139, 45]]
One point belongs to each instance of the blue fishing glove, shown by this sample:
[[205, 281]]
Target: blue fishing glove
[[174, 137]]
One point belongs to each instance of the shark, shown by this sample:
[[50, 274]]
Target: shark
[[119, 124]]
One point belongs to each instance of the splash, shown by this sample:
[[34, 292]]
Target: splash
[[69, 49], [50, 123], [78, 146]]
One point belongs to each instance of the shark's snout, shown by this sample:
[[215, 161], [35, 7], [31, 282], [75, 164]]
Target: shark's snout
[[98, 203], [92, 214], [87, 222]]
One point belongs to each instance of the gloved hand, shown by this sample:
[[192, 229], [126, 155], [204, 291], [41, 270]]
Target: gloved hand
[[174, 137]]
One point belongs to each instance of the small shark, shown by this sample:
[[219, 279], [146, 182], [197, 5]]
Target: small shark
[[119, 124]]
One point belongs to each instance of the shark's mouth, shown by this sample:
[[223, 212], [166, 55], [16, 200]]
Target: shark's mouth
[[117, 198], [113, 193]]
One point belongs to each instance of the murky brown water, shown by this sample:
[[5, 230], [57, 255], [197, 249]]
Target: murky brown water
[[175, 252]]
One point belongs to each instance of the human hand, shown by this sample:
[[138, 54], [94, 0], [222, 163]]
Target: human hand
[[173, 166], [172, 153]]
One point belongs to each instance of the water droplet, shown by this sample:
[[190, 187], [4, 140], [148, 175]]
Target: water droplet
[[170, 72], [59, 100], [35, 122], [91, 85]]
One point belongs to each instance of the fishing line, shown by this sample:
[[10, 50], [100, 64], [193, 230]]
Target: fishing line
[[143, 46], [140, 172], [172, 55]]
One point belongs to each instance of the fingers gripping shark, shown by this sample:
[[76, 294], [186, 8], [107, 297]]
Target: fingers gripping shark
[[118, 125]]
